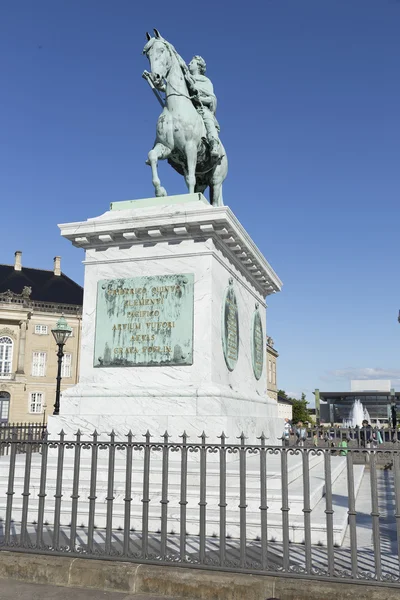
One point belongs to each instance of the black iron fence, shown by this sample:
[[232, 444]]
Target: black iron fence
[[336, 437], [20, 433], [292, 511]]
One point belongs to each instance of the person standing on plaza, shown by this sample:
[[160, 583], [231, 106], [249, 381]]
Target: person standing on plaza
[[366, 434], [287, 428], [301, 434]]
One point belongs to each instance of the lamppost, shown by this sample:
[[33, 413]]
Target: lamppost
[[61, 333]]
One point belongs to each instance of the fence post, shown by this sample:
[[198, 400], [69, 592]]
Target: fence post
[[375, 516], [203, 503], [242, 504], [307, 510], [352, 513], [164, 495], [128, 493], [75, 490], [92, 492], [10, 490], [183, 498], [285, 509], [263, 502], [58, 494], [396, 470], [42, 492], [110, 492], [26, 492], [222, 500], [146, 497], [329, 513]]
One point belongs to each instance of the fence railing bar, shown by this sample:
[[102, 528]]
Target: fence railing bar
[[375, 516], [26, 492], [10, 493], [307, 510], [110, 492], [183, 499], [263, 504], [128, 494], [242, 504], [92, 492], [75, 491], [352, 515], [42, 494], [285, 509], [329, 513], [222, 501], [146, 496], [164, 496], [58, 493], [203, 496], [396, 471]]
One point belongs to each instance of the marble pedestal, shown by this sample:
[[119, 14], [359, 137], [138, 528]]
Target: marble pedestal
[[174, 236]]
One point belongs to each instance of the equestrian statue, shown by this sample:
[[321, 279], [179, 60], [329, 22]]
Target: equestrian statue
[[187, 129]]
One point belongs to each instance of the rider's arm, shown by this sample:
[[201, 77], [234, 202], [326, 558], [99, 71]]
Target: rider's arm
[[210, 102]]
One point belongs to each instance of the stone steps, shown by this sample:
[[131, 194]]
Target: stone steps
[[274, 501]]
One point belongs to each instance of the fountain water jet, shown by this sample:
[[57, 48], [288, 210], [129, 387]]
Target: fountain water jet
[[358, 413]]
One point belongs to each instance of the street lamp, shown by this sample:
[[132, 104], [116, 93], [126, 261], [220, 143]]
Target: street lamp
[[61, 333]]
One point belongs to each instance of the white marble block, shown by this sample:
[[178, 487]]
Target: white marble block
[[174, 236]]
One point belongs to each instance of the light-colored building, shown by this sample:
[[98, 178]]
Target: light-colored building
[[285, 409], [370, 385], [272, 356], [31, 302]]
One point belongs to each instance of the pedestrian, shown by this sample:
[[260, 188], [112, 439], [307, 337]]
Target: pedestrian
[[393, 412], [301, 434], [286, 433], [366, 435], [343, 445]]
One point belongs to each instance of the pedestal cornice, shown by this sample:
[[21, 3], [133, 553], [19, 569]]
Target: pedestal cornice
[[193, 219]]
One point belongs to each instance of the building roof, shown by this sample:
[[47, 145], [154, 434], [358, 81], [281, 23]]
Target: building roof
[[327, 395], [283, 400], [46, 287]]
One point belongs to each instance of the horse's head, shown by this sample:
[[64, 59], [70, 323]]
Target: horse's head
[[159, 55]]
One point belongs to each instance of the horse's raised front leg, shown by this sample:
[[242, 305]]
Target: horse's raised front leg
[[159, 152], [190, 174]]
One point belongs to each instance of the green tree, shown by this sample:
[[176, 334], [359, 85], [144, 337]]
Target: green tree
[[300, 410]]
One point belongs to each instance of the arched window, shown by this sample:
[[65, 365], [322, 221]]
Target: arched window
[[6, 352], [4, 406]]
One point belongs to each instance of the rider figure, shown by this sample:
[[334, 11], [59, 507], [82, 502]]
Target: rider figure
[[203, 97]]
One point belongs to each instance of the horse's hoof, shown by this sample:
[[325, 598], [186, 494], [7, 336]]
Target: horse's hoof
[[147, 162], [161, 192]]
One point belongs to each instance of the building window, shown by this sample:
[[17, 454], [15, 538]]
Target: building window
[[269, 371], [36, 402], [41, 329], [66, 365], [274, 373], [39, 364], [6, 352], [4, 406]]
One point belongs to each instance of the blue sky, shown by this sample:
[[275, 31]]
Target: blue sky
[[309, 97]]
